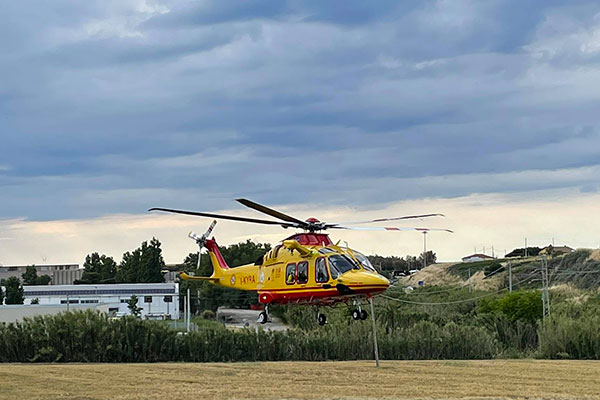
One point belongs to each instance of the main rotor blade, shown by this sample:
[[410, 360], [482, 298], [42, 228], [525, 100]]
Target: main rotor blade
[[221, 216], [389, 228], [394, 219], [271, 212]]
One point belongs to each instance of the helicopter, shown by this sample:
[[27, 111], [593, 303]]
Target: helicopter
[[306, 268]]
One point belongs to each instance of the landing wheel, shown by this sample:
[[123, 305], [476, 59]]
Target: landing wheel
[[321, 319], [262, 318], [363, 314], [355, 315]]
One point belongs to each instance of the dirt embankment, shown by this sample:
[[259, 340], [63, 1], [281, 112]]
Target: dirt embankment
[[438, 274], [435, 274]]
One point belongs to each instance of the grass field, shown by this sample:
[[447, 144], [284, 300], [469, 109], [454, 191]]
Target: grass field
[[498, 379]]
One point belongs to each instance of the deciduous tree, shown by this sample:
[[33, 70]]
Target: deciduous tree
[[30, 277], [143, 265], [98, 269], [133, 307], [14, 291]]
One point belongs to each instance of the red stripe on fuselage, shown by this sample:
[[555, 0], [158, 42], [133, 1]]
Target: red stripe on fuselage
[[302, 294]]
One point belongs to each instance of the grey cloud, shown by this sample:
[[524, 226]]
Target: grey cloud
[[108, 108]]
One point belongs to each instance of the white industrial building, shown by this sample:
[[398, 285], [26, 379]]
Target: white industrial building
[[157, 300]]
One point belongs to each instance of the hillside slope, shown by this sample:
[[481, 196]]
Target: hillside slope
[[580, 269]]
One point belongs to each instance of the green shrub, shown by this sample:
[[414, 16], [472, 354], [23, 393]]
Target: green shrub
[[564, 337], [493, 269], [517, 306]]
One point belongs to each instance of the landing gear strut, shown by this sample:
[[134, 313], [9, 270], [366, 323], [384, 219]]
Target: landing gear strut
[[359, 313], [263, 317], [321, 319]]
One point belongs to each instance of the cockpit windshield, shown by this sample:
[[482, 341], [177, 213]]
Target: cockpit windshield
[[364, 261], [338, 264]]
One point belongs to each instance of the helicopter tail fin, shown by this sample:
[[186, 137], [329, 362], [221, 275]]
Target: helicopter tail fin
[[217, 261], [216, 258]]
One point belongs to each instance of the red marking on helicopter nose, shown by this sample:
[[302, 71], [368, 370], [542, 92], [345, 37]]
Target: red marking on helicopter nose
[[313, 220]]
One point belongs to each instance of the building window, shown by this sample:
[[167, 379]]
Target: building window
[[290, 274], [89, 301], [69, 301], [147, 299], [168, 299], [302, 272]]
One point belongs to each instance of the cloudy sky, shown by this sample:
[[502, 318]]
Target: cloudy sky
[[485, 110]]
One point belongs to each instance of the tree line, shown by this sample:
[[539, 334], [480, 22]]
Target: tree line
[[142, 265]]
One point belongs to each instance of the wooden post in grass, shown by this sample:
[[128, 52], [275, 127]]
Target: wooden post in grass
[[374, 333], [189, 312]]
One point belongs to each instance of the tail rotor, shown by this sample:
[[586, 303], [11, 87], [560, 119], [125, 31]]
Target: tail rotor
[[201, 240]]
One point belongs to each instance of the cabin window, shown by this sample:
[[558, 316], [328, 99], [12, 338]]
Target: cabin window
[[339, 264], [290, 274], [364, 261], [302, 272], [321, 274]]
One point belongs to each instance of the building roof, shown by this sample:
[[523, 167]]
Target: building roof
[[114, 289], [557, 249], [479, 255]]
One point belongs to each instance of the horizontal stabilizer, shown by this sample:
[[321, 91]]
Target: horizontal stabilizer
[[187, 277]]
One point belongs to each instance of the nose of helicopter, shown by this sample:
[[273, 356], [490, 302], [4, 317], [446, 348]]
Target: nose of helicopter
[[365, 281], [383, 281]]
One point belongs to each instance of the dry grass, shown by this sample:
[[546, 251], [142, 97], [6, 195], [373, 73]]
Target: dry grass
[[498, 379], [432, 275]]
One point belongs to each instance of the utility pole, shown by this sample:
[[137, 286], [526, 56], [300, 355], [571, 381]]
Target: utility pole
[[493, 252], [509, 277], [424, 249], [545, 293], [470, 288], [525, 247]]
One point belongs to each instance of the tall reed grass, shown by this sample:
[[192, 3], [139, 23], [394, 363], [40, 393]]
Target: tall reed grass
[[87, 336]]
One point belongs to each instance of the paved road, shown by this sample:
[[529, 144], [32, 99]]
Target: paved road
[[236, 318]]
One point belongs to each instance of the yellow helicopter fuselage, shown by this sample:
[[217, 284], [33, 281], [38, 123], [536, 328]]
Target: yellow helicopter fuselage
[[305, 268]]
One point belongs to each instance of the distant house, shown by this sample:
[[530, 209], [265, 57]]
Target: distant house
[[556, 250], [476, 257]]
